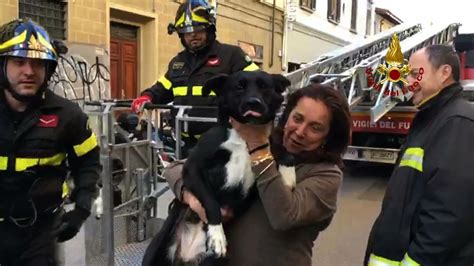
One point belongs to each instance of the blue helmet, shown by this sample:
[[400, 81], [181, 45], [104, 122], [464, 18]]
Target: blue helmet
[[28, 40], [24, 38]]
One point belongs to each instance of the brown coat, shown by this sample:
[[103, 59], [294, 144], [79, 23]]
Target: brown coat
[[280, 227]]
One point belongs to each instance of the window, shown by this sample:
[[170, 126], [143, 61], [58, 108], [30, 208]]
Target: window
[[48, 13], [334, 10], [254, 51], [354, 16], [311, 4]]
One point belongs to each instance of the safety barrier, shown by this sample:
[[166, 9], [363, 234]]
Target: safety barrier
[[140, 182]]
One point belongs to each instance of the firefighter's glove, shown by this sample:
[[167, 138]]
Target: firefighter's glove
[[139, 103], [70, 224]]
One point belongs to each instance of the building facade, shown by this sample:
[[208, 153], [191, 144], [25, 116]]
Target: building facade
[[315, 27], [125, 43], [384, 20]]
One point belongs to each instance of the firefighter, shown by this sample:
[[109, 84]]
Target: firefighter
[[203, 58], [427, 214], [42, 137]]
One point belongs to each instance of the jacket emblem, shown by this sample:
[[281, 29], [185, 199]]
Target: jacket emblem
[[177, 65], [48, 121]]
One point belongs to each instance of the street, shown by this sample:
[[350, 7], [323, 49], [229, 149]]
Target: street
[[344, 242]]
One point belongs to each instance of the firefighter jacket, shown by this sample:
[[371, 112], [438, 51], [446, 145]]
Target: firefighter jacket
[[187, 73], [36, 152], [427, 215]]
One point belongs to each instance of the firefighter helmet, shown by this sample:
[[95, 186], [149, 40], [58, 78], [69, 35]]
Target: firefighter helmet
[[193, 15], [24, 38]]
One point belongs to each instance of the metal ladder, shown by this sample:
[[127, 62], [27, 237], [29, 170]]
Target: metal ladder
[[346, 67]]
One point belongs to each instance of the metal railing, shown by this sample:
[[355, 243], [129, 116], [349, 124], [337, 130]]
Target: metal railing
[[140, 181], [347, 57], [141, 160]]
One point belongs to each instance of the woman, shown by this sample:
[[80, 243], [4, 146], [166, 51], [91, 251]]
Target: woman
[[281, 225]]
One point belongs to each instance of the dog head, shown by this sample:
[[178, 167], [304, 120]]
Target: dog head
[[248, 96]]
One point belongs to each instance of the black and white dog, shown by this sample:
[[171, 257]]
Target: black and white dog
[[218, 171]]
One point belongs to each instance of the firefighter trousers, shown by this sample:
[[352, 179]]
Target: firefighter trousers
[[32, 245]]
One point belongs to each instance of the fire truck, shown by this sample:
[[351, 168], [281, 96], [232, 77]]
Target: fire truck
[[376, 91]]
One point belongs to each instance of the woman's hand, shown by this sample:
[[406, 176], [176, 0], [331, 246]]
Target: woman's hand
[[254, 135], [195, 205]]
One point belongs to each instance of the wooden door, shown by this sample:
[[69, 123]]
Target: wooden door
[[123, 61]]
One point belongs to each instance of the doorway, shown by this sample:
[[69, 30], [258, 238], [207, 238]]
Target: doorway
[[123, 61]]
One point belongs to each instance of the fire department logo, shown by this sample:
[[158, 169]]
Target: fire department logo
[[395, 69], [33, 44]]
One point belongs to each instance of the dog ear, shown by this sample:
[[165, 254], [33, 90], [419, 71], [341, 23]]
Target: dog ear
[[214, 84], [280, 82]]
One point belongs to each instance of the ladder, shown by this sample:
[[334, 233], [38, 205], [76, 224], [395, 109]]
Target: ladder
[[346, 68]]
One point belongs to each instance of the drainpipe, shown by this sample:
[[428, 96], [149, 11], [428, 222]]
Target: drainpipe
[[286, 25], [273, 34]]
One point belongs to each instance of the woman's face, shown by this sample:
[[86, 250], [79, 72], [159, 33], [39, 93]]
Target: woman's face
[[307, 126]]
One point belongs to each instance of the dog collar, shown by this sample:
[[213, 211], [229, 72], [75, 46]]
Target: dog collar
[[261, 147]]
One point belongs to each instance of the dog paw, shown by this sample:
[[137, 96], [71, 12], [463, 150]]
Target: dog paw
[[288, 175], [216, 240]]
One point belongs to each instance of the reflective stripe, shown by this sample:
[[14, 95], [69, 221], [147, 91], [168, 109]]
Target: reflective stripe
[[14, 41], [186, 135], [180, 20], [21, 164], [413, 157], [86, 146], [44, 42], [165, 82], [3, 162], [197, 18], [251, 67], [183, 91], [407, 261], [65, 190], [375, 260], [54, 160], [197, 91], [180, 91]]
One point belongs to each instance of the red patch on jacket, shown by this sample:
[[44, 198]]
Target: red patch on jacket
[[48, 121], [214, 61]]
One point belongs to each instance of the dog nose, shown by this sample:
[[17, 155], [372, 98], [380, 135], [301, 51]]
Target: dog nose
[[254, 103]]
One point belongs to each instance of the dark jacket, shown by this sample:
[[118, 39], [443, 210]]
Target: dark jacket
[[37, 148], [427, 214], [187, 73], [280, 227]]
